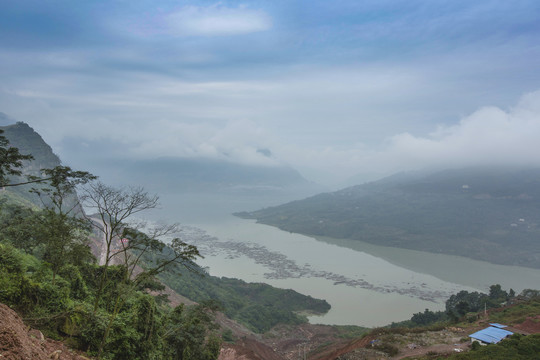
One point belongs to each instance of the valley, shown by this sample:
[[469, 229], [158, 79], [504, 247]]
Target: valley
[[281, 294]]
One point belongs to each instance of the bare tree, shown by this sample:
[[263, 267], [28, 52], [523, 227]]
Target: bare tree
[[135, 244], [113, 207]]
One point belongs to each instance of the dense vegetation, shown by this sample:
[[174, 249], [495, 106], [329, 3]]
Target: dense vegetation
[[62, 307], [465, 305], [48, 273], [258, 306], [487, 214]]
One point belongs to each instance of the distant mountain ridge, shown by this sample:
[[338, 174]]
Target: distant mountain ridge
[[490, 214], [203, 171], [176, 174]]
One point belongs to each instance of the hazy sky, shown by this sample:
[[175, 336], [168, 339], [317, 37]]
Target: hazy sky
[[333, 88]]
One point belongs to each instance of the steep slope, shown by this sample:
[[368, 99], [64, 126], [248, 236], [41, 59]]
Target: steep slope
[[489, 214], [23, 137]]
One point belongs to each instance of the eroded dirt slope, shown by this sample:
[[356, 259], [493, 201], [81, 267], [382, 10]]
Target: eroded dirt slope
[[19, 342]]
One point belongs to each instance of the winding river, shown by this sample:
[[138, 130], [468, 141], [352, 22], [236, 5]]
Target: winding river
[[365, 284]]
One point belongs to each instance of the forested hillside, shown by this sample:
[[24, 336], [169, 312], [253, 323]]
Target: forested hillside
[[490, 214], [112, 308]]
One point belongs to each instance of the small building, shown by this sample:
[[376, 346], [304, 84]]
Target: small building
[[490, 335]]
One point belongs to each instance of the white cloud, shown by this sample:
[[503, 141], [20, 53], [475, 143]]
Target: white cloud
[[216, 20], [236, 141], [489, 136]]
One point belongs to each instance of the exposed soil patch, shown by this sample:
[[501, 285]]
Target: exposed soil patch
[[351, 350], [409, 344], [289, 342], [248, 349], [530, 326], [17, 341]]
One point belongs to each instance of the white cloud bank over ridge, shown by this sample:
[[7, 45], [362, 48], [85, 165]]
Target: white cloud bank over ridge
[[489, 136], [216, 20]]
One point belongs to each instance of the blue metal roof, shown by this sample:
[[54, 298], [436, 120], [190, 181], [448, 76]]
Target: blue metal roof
[[491, 335], [497, 325]]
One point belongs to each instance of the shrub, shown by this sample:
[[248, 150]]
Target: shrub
[[387, 348]]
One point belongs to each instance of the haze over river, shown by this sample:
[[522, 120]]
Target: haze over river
[[365, 284]]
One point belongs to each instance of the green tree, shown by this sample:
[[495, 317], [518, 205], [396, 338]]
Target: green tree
[[12, 271], [427, 317], [61, 189], [18, 227], [497, 295], [138, 244], [462, 302], [190, 333], [64, 238], [135, 245], [63, 229]]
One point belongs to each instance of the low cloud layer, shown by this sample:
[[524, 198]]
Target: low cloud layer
[[489, 136]]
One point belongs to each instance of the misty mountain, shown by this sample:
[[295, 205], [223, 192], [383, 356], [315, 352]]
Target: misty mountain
[[490, 214], [182, 175], [23, 137]]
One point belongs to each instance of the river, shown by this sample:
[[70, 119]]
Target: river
[[365, 284]]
